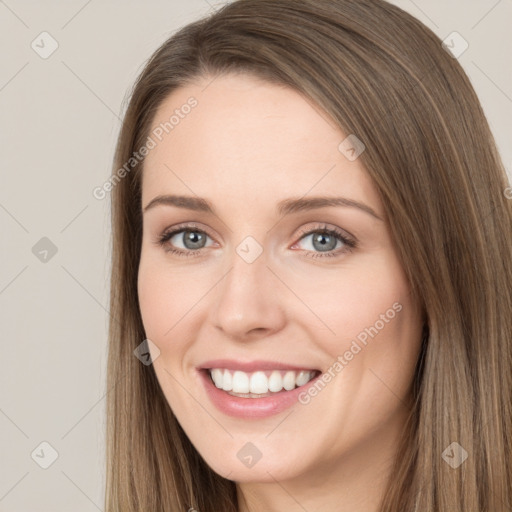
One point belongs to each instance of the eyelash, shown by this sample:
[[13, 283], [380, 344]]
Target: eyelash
[[350, 244]]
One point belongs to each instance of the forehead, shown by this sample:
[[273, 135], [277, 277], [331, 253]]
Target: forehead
[[249, 142]]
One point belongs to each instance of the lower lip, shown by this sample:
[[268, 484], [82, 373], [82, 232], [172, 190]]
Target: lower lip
[[251, 407]]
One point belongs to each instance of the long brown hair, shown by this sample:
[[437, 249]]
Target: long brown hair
[[383, 76]]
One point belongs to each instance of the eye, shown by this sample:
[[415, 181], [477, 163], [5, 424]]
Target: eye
[[191, 238], [326, 242], [323, 241]]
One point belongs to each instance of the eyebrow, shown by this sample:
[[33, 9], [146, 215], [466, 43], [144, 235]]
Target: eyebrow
[[284, 207]]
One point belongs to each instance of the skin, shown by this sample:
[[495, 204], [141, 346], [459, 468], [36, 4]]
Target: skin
[[246, 146]]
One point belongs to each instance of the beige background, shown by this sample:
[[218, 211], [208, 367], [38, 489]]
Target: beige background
[[60, 117]]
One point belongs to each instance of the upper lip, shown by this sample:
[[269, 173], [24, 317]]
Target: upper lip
[[251, 366]]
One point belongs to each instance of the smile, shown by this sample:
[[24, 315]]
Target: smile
[[253, 390], [260, 383]]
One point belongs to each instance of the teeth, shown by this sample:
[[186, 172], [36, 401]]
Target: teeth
[[289, 381], [259, 382], [227, 381], [217, 377], [275, 382], [240, 382], [303, 378]]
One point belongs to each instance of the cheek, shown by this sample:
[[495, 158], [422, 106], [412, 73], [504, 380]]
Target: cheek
[[154, 301], [378, 330], [375, 333], [367, 295], [166, 301], [165, 296]]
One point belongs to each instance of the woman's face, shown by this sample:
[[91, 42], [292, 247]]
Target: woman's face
[[252, 286]]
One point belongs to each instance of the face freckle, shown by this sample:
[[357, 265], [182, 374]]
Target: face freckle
[[262, 288]]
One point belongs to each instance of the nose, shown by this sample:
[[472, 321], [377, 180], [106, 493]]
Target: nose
[[248, 301]]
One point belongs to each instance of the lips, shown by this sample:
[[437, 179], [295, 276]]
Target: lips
[[251, 366], [254, 389]]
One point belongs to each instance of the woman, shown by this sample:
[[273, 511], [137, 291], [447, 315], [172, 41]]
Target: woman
[[311, 246]]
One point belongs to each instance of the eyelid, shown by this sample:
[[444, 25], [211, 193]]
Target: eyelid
[[186, 226], [323, 226]]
